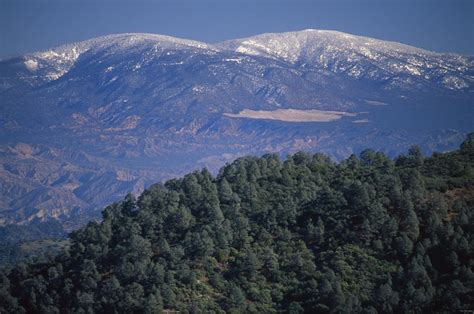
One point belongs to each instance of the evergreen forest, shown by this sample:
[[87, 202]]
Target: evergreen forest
[[369, 234]]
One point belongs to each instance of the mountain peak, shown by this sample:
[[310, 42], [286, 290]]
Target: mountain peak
[[118, 43], [297, 45], [356, 56], [60, 59], [125, 40]]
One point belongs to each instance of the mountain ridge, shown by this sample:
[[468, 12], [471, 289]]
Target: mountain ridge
[[227, 41], [317, 48]]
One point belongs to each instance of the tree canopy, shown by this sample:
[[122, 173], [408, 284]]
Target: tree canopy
[[368, 234]]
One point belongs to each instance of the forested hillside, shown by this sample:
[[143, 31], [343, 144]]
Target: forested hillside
[[33, 241], [368, 234]]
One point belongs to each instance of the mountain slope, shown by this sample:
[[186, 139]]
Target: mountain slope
[[306, 235], [85, 123]]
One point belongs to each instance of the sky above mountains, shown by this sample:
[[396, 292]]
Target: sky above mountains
[[32, 25]]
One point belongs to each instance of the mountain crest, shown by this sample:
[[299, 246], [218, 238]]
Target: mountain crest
[[338, 52]]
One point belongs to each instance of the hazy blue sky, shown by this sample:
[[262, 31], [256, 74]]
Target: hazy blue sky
[[30, 25]]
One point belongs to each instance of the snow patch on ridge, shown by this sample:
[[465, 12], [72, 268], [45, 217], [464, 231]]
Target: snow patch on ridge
[[31, 65]]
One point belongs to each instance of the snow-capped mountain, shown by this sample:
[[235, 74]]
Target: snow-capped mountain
[[85, 123], [51, 64], [355, 56], [358, 57]]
